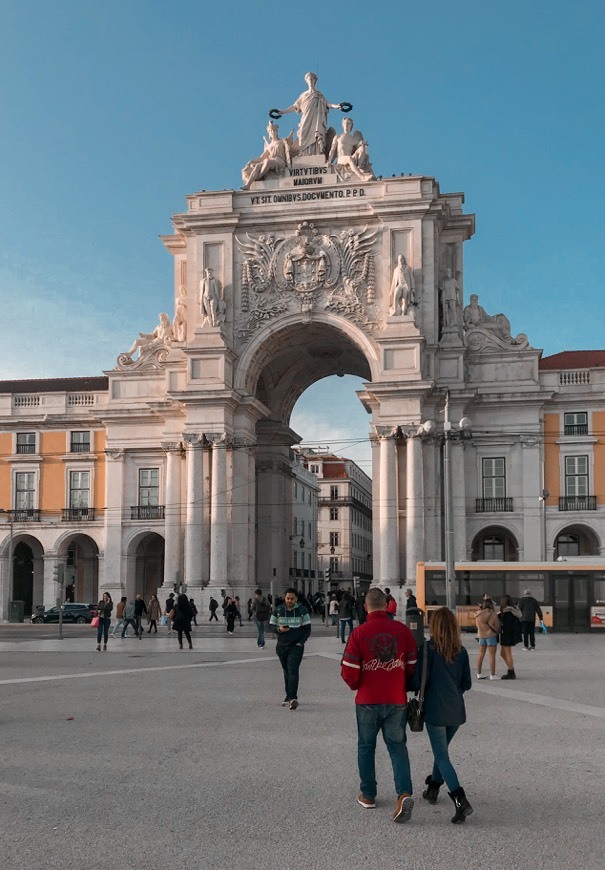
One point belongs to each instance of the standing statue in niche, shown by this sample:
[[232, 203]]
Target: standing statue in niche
[[211, 301], [275, 158], [313, 109], [350, 152], [179, 326], [402, 288], [450, 301]]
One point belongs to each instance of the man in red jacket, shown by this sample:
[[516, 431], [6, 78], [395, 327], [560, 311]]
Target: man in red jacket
[[379, 656]]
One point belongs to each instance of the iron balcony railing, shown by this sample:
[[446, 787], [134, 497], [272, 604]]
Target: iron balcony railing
[[493, 505], [78, 515], [26, 448], [576, 429], [577, 503], [25, 515], [79, 447], [147, 512]]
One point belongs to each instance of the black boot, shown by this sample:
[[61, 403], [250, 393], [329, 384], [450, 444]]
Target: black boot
[[432, 792], [510, 675], [463, 808]]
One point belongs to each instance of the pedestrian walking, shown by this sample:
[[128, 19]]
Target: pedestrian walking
[[104, 608], [378, 660], [261, 610], [249, 607], [169, 605], [181, 619], [410, 600], [239, 610], [129, 618], [360, 608], [510, 634], [448, 678], [193, 611], [230, 611], [213, 607], [333, 609], [529, 608], [139, 609], [154, 612], [345, 613], [488, 629], [292, 623], [119, 615], [391, 604]]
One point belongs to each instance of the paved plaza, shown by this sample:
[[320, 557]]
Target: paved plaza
[[149, 757]]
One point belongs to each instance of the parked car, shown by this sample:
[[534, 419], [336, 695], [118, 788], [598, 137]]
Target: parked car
[[80, 613]]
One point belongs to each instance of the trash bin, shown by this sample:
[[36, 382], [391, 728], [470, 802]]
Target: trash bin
[[414, 619], [16, 611]]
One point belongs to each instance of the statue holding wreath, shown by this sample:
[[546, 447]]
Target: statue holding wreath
[[313, 109]]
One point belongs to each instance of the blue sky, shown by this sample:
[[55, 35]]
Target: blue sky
[[112, 112]]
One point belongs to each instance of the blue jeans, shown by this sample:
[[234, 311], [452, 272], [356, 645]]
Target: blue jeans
[[343, 624], [391, 719], [440, 737], [103, 629], [260, 625], [290, 657]]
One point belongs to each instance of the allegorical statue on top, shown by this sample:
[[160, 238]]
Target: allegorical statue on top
[[350, 152], [275, 158], [152, 347], [313, 109]]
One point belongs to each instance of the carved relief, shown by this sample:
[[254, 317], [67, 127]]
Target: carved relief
[[305, 270]]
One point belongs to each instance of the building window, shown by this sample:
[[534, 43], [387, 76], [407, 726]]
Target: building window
[[295, 558], [25, 490], [79, 489], [576, 475], [149, 487], [333, 513], [294, 526], [334, 563], [575, 423], [567, 545], [493, 548], [295, 490], [80, 442], [334, 539], [333, 493], [26, 442], [310, 533], [494, 478], [315, 469]]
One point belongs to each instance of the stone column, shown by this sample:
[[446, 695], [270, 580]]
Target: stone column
[[459, 500], [219, 513], [388, 540], [112, 579], [533, 531], [415, 507], [243, 503], [172, 514], [193, 521]]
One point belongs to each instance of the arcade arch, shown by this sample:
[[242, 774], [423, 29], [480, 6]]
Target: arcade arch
[[80, 555], [576, 540], [28, 572], [495, 543]]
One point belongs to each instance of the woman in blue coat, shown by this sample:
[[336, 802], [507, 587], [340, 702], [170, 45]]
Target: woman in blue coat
[[448, 676]]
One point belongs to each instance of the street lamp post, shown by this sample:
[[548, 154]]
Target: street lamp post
[[10, 550]]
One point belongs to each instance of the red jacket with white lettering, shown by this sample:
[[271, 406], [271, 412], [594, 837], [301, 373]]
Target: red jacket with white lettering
[[379, 656]]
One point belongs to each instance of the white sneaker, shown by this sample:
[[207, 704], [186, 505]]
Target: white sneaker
[[493, 677], [482, 676]]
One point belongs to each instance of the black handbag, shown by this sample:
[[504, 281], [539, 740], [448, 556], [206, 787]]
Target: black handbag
[[416, 704]]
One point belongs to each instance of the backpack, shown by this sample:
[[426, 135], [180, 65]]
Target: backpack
[[263, 610]]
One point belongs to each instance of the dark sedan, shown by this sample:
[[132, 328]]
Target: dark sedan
[[80, 613]]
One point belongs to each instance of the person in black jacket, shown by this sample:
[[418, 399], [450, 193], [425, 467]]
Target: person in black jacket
[[181, 617], [529, 608], [230, 611], [139, 609], [448, 676], [510, 634], [292, 624]]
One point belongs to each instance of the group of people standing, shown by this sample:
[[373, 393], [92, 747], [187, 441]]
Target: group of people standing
[[178, 614], [507, 627]]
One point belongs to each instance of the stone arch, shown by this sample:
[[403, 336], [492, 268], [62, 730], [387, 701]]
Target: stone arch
[[79, 553], [27, 571], [576, 539], [144, 563], [495, 543]]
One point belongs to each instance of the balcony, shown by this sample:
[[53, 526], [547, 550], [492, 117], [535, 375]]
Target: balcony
[[578, 429], [79, 447], [148, 512], [493, 505], [26, 448], [78, 515], [24, 515], [577, 503]]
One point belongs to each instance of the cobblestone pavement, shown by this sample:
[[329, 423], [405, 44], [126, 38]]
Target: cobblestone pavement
[[149, 757]]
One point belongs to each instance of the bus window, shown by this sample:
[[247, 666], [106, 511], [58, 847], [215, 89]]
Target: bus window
[[435, 587], [599, 591], [517, 584]]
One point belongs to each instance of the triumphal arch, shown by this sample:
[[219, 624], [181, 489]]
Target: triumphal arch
[[317, 265]]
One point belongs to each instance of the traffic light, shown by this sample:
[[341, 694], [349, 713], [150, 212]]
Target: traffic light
[[328, 576], [59, 574]]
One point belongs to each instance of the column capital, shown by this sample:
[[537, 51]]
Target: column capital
[[385, 432], [172, 447], [192, 439], [217, 439]]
